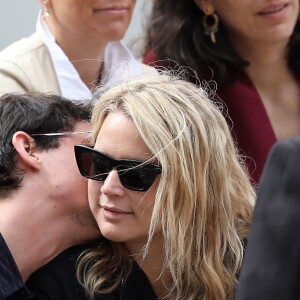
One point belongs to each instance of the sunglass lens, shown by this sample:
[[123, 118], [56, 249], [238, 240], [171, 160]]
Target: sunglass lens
[[139, 179], [84, 162], [94, 166]]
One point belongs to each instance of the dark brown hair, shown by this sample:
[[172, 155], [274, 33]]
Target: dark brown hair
[[33, 113]]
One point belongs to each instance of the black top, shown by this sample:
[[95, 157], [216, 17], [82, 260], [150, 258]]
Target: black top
[[271, 270], [57, 281], [11, 283]]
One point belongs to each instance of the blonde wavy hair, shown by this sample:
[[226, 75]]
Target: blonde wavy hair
[[204, 200]]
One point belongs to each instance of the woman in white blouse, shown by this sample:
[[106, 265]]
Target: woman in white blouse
[[75, 48]]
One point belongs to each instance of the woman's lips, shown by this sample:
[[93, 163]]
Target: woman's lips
[[114, 210], [112, 9], [273, 10]]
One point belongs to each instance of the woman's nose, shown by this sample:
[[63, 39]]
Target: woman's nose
[[112, 185]]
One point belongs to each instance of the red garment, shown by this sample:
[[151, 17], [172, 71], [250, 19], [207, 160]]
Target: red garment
[[248, 119], [250, 123]]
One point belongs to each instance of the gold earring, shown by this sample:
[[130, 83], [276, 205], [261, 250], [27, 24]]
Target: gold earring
[[210, 23], [208, 10]]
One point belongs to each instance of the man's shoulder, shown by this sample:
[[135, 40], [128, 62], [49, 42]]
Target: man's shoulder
[[11, 283]]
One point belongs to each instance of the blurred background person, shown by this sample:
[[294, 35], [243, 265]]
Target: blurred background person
[[75, 48], [251, 49], [271, 269]]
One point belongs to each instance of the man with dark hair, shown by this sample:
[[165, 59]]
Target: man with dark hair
[[43, 198]]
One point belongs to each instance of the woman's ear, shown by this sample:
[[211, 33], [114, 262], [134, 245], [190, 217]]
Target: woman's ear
[[200, 3], [25, 146], [44, 2], [205, 6]]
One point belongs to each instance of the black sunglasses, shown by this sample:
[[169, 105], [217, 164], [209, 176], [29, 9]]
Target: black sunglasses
[[134, 174]]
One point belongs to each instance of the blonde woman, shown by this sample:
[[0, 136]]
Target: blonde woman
[[168, 191]]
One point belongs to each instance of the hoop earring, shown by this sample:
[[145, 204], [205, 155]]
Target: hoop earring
[[46, 12], [211, 26]]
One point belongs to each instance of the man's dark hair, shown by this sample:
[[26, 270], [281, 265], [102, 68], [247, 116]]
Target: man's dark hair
[[34, 113]]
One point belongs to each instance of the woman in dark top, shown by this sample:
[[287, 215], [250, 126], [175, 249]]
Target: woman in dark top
[[58, 281], [169, 193], [167, 190], [251, 49]]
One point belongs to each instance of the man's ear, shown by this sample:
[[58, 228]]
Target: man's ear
[[25, 146]]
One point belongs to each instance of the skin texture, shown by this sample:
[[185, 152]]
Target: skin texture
[[123, 215], [61, 165]]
